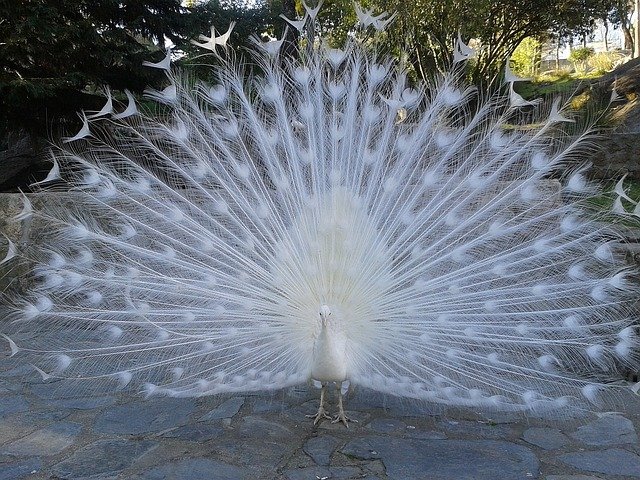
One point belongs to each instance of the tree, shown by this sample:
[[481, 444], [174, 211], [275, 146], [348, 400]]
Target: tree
[[579, 57], [425, 31], [50, 51], [620, 15], [55, 55], [252, 19], [636, 36], [525, 60]]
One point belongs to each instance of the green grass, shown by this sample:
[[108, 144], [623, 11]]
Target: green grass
[[556, 82], [602, 204]]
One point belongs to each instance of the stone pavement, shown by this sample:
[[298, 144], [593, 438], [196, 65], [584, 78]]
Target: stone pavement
[[55, 431]]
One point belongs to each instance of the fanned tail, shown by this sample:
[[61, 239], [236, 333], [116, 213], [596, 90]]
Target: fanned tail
[[194, 247]]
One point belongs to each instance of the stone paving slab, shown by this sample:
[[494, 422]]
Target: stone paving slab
[[137, 418], [611, 461], [101, 458], [410, 459], [47, 441], [547, 438], [196, 469], [607, 430], [20, 469], [48, 433]]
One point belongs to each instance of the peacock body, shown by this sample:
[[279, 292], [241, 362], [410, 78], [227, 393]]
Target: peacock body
[[322, 220]]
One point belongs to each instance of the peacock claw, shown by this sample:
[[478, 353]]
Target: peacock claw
[[342, 417], [318, 417]]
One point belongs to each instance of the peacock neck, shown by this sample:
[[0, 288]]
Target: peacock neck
[[329, 362]]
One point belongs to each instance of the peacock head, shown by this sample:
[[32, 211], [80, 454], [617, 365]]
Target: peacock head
[[325, 315]]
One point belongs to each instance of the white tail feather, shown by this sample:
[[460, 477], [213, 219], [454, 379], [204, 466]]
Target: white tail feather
[[208, 242]]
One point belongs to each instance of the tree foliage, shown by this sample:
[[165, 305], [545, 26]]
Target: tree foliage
[[525, 60], [620, 15], [54, 54], [251, 21], [50, 51], [427, 30]]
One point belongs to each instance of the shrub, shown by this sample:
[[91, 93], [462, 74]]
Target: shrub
[[579, 58], [525, 60], [603, 62]]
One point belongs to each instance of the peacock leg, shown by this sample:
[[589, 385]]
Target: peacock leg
[[321, 411], [341, 417]]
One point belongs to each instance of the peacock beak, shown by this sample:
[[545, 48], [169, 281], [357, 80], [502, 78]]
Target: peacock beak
[[325, 313]]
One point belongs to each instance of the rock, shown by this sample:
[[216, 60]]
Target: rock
[[87, 403], [612, 461], [607, 430], [387, 425], [71, 389], [22, 469], [14, 428], [196, 432], [264, 405], [307, 473], [256, 441], [467, 428], [411, 459], [547, 438], [198, 469], [345, 472], [425, 435], [365, 399], [46, 441], [13, 404], [46, 417], [256, 427], [227, 409], [145, 417], [104, 457], [571, 477], [320, 448]]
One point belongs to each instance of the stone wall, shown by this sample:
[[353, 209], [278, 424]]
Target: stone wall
[[22, 162], [17, 232], [618, 154]]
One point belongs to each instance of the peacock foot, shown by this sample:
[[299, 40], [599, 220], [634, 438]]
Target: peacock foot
[[342, 417], [318, 417]]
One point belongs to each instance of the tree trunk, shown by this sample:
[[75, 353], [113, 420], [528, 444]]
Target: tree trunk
[[290, 47], [636, 40], [288, 9], [628, 38]]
